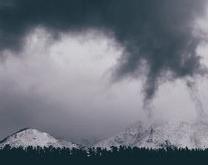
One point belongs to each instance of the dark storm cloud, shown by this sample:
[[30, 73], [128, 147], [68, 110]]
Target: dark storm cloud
[[159, 32]]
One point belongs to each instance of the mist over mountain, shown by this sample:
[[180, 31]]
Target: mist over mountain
[[161, 135]]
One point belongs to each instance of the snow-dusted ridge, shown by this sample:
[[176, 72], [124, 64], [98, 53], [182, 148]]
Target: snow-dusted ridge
[[33, 137], [160, 135], [193, 135]]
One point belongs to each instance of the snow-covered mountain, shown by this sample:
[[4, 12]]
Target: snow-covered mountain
[[159, 135], [34, 138], [153, 135]]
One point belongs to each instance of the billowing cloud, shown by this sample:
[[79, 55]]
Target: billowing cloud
[[159, 34], [63, 88]]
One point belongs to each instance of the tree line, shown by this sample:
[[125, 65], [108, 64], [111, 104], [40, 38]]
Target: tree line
[[98, 156]]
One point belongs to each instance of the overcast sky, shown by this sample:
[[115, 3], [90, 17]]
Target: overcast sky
[[83, 69]]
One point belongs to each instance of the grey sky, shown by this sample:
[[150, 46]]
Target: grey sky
[[86, 74], [64, 88]]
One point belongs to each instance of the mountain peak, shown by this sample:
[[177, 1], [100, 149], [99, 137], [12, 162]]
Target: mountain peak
[[32, 137]]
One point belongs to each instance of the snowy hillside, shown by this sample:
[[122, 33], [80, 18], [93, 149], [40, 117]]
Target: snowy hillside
[[34, 138], [158, 135]]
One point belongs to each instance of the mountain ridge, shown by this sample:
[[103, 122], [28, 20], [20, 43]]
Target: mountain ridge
[[155, 135], [32, 137]]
